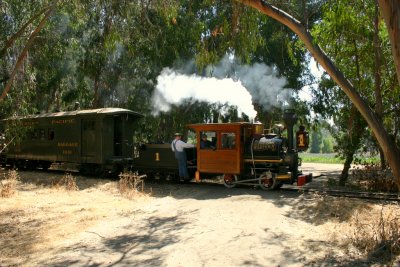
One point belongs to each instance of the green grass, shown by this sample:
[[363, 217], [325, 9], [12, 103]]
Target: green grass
[[320, 158], [331, 158]]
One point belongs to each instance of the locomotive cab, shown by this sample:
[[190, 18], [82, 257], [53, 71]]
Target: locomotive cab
[[226, 153]]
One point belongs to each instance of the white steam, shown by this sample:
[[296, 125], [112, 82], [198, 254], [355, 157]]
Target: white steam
[[263, 82], [227, 83], [174, 88]]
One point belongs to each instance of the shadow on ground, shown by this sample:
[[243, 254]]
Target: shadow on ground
[[142, 247], [17, 237], [145, 241]]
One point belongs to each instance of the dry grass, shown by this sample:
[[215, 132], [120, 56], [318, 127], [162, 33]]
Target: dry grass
[[40, 219], [369, 231], [68, 182], [371, 177], [377, 233], [8, 184], [131, 184], [322, 208]]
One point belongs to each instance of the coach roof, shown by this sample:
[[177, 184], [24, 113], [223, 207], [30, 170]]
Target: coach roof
[[100, 111]]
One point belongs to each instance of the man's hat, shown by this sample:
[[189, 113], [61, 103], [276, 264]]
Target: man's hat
[[178, 134]]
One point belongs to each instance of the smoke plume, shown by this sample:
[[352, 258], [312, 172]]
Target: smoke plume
[[226, 83]]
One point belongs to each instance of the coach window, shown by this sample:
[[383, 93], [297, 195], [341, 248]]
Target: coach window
[[35, 134], [51, 134], [30, 135], [228, 140], [42, 134]]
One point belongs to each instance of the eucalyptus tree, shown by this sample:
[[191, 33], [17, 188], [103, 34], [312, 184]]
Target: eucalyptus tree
[[384, 139], [110, 52], [366, 64], [209, 30]]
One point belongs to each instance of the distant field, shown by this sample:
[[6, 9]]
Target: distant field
[[320, 158], [330, 158]]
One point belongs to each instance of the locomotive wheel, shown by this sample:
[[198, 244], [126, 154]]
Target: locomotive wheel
[[229, 180], [268, 181]]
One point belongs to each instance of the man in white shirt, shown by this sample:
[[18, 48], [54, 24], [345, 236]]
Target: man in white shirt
[[178, 146]]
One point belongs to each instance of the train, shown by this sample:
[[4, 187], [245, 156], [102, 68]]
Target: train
[[100, 142]]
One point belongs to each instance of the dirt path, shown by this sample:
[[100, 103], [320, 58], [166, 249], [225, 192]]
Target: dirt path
[[174, 225]]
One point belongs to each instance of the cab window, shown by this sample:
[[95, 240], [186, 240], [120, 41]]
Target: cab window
[[208, 140], [228, 140]]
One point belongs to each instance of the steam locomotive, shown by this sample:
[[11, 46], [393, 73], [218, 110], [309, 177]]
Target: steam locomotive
[[242, 153], [99, 141]]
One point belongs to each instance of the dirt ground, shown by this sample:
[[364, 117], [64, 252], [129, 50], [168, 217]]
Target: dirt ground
[[177, 225]]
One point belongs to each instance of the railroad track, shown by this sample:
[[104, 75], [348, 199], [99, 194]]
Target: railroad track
[[373, 196]]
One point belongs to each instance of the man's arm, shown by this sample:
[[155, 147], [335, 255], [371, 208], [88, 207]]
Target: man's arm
[[185, 145]]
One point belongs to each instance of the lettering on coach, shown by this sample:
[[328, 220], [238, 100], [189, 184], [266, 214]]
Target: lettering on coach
[[68, 144], [63, 121]]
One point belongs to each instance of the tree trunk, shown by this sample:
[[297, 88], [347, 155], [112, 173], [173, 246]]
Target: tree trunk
[[378, 80], [346, 167], [356, 128], [391, 13], [388, 146], [96, 96]]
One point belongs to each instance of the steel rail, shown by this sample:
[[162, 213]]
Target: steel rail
[[377, 196]]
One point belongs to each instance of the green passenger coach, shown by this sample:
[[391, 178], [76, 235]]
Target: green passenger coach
[[97, 140]]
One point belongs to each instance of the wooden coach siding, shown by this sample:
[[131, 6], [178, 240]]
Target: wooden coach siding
[[71, 142]]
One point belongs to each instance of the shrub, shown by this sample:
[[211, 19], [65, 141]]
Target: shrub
[[129, 183], [379, 238], [8, 184], [370, 176], [68, 182]]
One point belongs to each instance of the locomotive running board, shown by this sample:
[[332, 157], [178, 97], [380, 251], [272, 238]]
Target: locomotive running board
[[263, 160]]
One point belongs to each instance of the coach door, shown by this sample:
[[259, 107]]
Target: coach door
[[118, 136], [88, 139]]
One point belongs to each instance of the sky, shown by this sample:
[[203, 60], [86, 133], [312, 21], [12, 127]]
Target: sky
[[305, 93]]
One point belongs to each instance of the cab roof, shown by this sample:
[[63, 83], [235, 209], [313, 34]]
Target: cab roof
[[218, 126]]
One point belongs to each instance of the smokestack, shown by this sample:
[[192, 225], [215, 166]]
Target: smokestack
[[290, 118]]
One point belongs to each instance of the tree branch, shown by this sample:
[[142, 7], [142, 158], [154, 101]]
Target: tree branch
[[24, 52], [10, 41]]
